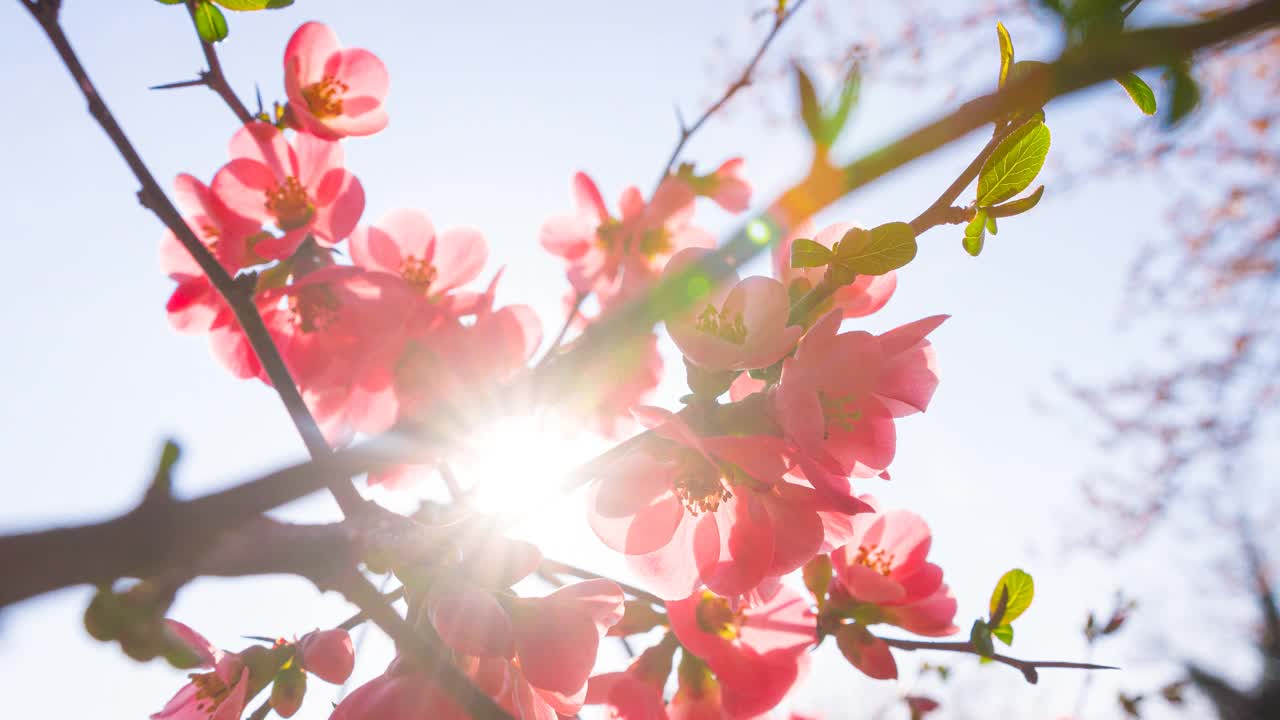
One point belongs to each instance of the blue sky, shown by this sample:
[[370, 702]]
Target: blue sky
[[493, 106]]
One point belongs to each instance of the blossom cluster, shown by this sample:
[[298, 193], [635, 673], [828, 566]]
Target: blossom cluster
[[718, 504]]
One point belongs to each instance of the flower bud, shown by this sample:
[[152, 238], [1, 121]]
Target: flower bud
[[329, 654]]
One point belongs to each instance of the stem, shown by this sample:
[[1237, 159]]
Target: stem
[[940, 211], [1027, 667], [238, 297], [434, 658], [214, 77], [558, 568], [686, 132], [580, 297]]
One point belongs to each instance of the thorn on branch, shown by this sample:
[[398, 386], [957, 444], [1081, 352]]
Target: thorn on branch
[[180, 84]]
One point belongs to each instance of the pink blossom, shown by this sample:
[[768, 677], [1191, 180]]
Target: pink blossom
[[636, 694], [218, 694], [195, 303], [740, 325], [706, 510], [300, 188], [617, 257], [885, 565], [865, 295], [405, 243], [402, 692], [757, 653], [333, 92], [840, 392], [328, 654]]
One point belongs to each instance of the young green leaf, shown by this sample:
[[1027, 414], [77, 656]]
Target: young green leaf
[[991, 225], [1021, 590], [877, 251], [1004, 634], [1006, 52], [980, 638], [833, 125], [817, 577], [210, 23], [806, 253], [1014, 164], [1139, 91], [171, 2], [247, 5], [810, 109], [975, 232], [1016, 207]]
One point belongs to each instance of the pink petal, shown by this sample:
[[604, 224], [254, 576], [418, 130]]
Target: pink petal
[[870, 586], [908, 381], [670, 572], [308, 49], [460, 254], [364, 75], [799, 529], [905, 337], [783, 624], [734, 545], [339, 201], [905, 535], [264, 144], [242, 185], [328, 654], [633, 509], [587, 198], [205, 650], [567, 237], [866, 294], [470, 621]]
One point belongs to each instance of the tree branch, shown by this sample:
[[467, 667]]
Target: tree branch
[[687, 131], [1027, 667], [239, 298], [214, 78]]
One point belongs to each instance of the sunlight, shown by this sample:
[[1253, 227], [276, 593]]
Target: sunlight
[[516, 465]]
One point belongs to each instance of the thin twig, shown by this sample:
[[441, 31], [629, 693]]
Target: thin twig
[[687, 131], [559, 568], [214, 77], [238, 297], [580, 297], [1027, 667]]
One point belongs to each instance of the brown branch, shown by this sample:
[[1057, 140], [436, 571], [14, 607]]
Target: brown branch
[[238, 296], [1028, 668], [941, 212], [431, 656], [745, 79], [213, 78]]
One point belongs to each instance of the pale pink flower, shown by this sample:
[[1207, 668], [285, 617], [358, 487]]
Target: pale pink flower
[[333, 92], [328, 654], [405, 243], [219, 693], [739, 325], [301, 188]]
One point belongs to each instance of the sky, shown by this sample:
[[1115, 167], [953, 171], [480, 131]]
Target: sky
[[493, 107]]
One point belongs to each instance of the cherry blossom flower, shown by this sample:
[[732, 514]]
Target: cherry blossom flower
[[333, 92], [865, 295], [706, 510], [301, 188], [195, 304], [616, 257], [885, 572], [840, 392], [404, 243], [219, 693], [739, 325], [757, 653]]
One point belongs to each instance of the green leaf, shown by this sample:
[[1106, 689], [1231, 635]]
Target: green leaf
[[810, 109], [991, 225], [980, 638], [171, 2], [806, 253], [1017, 207], [1021, 590], [975, 232], [1182, 94], [1014, 164], [248, 5], [1004, 634], [817, 577], [210, 23], [877, 251], [1006, 52], [833, 125], [1139, 91]]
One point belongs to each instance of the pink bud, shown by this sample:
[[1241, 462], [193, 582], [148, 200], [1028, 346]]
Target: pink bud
[[328, 654]]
